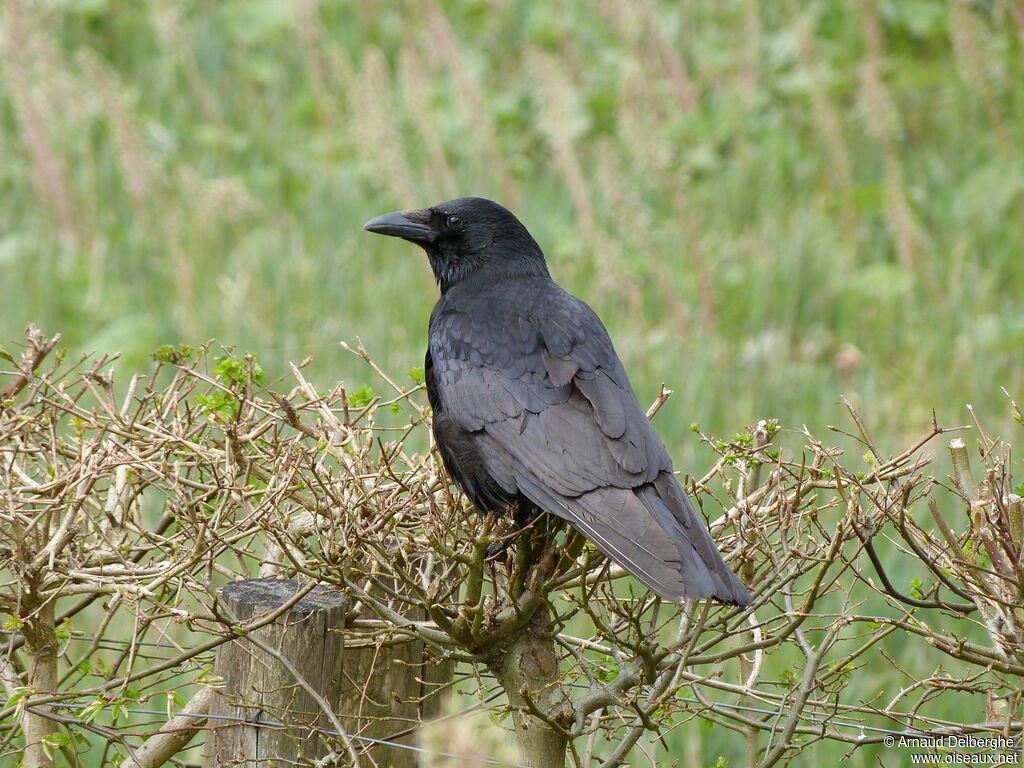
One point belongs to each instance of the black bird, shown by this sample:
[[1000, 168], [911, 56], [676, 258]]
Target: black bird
[[532, 407]]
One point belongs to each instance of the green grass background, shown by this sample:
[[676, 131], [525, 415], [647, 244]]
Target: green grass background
[[770, 203]]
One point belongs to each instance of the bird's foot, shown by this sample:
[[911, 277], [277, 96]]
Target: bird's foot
[[502, 543], [523, 521]]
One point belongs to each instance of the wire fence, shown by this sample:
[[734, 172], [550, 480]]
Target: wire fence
[[776, 713], [275, 724]]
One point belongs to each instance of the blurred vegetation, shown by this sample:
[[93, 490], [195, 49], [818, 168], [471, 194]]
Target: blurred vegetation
[[770, 204]]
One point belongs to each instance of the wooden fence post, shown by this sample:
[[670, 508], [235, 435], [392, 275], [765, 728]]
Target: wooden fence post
[[375, 692], [258, 688]]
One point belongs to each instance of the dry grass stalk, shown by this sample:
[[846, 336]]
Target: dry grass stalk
[[49, 175], [829, 127], [561, 126], [969, 45], [882, 121]]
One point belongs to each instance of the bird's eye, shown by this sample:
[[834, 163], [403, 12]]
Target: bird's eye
[[454, 222]]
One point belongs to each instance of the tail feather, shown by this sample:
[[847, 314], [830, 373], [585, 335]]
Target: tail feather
[[662, 541]]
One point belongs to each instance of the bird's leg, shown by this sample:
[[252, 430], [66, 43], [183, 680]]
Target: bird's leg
[[548, 554], [570, 551], [523, 517]]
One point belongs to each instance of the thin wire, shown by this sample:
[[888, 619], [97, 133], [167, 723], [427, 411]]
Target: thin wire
[[119, 642], [133, 642], [688, 699], [441, 753], [274, 724]]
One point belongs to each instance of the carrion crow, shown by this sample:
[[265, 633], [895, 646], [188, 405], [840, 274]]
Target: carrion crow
[[533, 409]]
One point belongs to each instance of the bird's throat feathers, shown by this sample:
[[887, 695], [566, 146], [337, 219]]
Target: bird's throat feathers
[[496, 261]]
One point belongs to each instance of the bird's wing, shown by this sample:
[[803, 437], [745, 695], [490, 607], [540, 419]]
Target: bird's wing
[[553, 417]]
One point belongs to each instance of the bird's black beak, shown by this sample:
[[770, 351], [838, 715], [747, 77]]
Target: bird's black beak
[[409, 225]]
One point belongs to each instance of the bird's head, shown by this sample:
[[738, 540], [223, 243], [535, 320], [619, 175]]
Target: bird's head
[[464, 237]]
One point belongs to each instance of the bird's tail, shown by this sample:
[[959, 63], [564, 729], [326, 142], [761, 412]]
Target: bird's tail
[[654, 532], [702, 568]]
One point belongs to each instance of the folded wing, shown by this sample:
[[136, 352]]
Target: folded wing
[[552, 416]]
